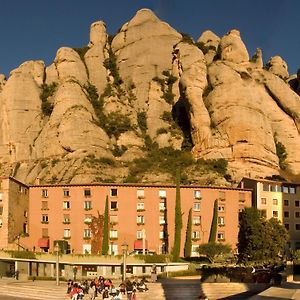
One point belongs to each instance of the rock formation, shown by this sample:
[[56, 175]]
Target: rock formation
[[95, 110]]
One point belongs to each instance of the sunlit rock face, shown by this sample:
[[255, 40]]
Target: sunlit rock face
[[54, 120]]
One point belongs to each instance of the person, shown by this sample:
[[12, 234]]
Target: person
[[142, 287], [17, 274], [74, 292], [92, 291], [129, 288], [122, 288], [69, 286], [117, 296], [105, 294], [153, 273]]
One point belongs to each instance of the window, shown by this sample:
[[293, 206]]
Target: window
[[66, 193], [263, 201], [285, 189], [45, 205], [162, 220], [88, 205], [114, 205], [140, 206], [297, 226], [140, 220], [222, 195], [113, 220], [263, 213], [196, 206], [1, 223], [286, 202], [196, 220], [297, 214], [45, 233], [286, 214], [67, 233], [221, 236], [45, 193], [221, 221], [162, 194], [275, 214], [287, 226], [45, 219], [87, 193], [292, 190], [139, 234], [196, 235], [113, 234], [297, 203], [272, 188], [66, 219], [88, 218], [197, 194], [275, 201], [162, 235], [140, 194], [241, 197], [66, 205], [279, 188], [195, 250], [265, 187], [162, 206], [87, 233], [1, 196], [114, 192], [221, 208], [1, 210]]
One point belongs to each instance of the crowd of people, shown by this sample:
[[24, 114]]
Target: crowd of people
[[106, 290]]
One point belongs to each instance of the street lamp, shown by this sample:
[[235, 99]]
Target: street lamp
[[56, 249], [124, 250]]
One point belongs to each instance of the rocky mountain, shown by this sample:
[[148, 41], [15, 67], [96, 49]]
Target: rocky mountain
[[135, 106]]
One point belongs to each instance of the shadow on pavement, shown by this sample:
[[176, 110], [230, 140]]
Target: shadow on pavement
[[181, 288]]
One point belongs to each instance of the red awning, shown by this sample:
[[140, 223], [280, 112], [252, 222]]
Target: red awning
[[138, 245], [43, 243]]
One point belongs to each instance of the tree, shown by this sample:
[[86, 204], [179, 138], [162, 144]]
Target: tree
[[188, 237], [259, 239], [105, 243], [212, 250], [178, 220], [96, 227], [214, 224]]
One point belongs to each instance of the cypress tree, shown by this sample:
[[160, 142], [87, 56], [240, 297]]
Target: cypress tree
[[188, 237], [105, 243], [178, 220], [214, 224]]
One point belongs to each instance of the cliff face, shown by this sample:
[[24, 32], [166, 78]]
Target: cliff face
[[102, 104]]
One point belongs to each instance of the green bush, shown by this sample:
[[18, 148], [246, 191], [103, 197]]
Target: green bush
[[186, 38], [142, 121], [22, 254], [161, 131], [47, 91], [116, 123], [281, 153]]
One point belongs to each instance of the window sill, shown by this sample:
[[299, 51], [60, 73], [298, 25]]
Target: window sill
[[86, 209], [113, 238], [86, 238], [66, 237], [140, 209], [44, 222], [140, 223], [66, 222]]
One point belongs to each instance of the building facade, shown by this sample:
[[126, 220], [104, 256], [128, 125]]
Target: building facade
[[14, 206], [142, 216], [280, 200]]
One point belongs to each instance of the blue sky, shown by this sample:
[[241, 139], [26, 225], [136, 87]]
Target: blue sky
[[36, 29]]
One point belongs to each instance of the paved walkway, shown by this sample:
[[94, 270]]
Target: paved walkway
[[168, 289]]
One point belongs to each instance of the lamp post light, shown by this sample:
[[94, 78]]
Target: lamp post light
[[124, 249], [56, 249]]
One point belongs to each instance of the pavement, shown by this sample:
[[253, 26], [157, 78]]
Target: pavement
[[166, 289]]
